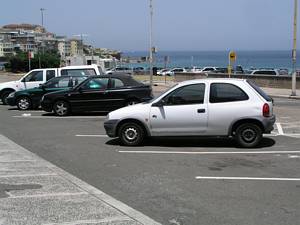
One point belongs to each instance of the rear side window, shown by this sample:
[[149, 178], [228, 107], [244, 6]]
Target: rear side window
[[223, 92], [50, 74], [259, 91], [96, 84], [78, 72], [117, 83], [34, 76]]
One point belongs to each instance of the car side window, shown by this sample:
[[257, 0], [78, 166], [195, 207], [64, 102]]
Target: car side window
[[223, 92], [187, 95], [78, 72], [34, 76], [117, 83], [96, 83], [50, 74]]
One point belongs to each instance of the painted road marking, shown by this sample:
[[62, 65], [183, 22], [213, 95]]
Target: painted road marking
[[91, 135], [248, 178], [28, 175], [61, 194], [279, 128], [57, 117], [100, 221], [210, 153]]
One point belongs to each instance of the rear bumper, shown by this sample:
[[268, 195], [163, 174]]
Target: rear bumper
[[46, 106], [268, 124], [111, 127], [11, 101]]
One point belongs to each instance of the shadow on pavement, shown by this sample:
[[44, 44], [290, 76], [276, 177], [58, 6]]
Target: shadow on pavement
[[78, 114], [195, 142]]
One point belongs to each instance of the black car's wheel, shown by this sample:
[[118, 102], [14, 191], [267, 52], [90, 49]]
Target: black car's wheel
[[131, 134], [24, 103], [248, 135], [61, 108], [132, 102], [4, 95]]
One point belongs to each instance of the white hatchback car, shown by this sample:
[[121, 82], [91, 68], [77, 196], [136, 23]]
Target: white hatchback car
[[207, 107]]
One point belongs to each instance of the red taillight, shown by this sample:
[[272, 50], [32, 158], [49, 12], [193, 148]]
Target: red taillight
[[266, 110]]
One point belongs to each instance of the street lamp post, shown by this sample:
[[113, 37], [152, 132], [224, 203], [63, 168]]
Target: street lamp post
[[42, 16], [151, 44], [294, 87]]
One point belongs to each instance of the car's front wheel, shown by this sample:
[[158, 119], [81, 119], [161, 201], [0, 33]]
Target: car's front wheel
[[131, 134], [4, 95], [61, 108], [24, 103], [248, 135]]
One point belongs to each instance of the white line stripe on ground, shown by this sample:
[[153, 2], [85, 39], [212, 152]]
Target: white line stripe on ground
[[57, 117], [248, 178], [210, 153], [29, 175], [91, 135], [279, 128], [48, 195], [100, 221]]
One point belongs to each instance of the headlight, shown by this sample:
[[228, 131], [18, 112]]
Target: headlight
[[12, 94]]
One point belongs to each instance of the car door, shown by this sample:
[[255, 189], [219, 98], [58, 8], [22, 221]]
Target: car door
[[34, 79], [91, 96], [117, 93], [184, 112]]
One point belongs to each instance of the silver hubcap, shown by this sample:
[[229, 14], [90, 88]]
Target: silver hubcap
[[249, 135], [23, 103], [61, 108], [131, 133]]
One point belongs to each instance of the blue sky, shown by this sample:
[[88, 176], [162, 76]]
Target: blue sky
[[178, 24]]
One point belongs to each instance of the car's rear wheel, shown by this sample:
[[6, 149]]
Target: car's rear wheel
[[131, 134], [61, 108], [4, 95], [24, 103], [248, 135]]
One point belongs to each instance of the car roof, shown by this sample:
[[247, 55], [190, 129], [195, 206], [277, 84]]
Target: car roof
[[111, 76], [229, 80]]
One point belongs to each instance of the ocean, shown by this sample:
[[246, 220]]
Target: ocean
[[247, 59]]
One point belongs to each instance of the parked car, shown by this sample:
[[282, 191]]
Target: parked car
[[271, 72], [175, 70], [120, 70], [39, 76], [162, 72], [97, 93], [30, 98], [207, 107], [209, 69]]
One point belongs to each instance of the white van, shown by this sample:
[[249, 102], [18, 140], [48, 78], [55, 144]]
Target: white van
[[39, 76]]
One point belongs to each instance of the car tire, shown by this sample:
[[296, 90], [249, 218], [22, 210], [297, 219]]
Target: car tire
[[132, 102], [61, 108], [131, 134], [24, 103], [4, 95], [248, 135]]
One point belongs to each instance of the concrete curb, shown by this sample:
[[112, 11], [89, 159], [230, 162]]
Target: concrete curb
[[285, 96]]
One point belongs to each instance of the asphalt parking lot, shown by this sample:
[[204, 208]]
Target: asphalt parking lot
[[175, 181]]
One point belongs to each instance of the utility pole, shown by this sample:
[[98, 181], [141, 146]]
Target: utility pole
[[151, 45], [42, 15], [294, 86]]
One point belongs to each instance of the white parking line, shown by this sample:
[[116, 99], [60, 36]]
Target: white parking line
[[60, 194], [57, 117], [279, 128], [91, 135], [210, 153], [248, 178]]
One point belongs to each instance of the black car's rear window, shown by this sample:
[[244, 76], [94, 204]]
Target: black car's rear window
[[259, 90]]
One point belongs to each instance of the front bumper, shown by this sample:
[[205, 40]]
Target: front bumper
[[11, 101], [111, 127]]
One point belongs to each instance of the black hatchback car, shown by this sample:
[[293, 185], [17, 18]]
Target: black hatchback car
[[97, 94]]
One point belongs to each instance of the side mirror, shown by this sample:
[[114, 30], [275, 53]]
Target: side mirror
[[160, 103], [42, 86], [79, 89]]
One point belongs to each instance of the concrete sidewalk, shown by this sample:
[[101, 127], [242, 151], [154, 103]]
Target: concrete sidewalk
[[34, 191]]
